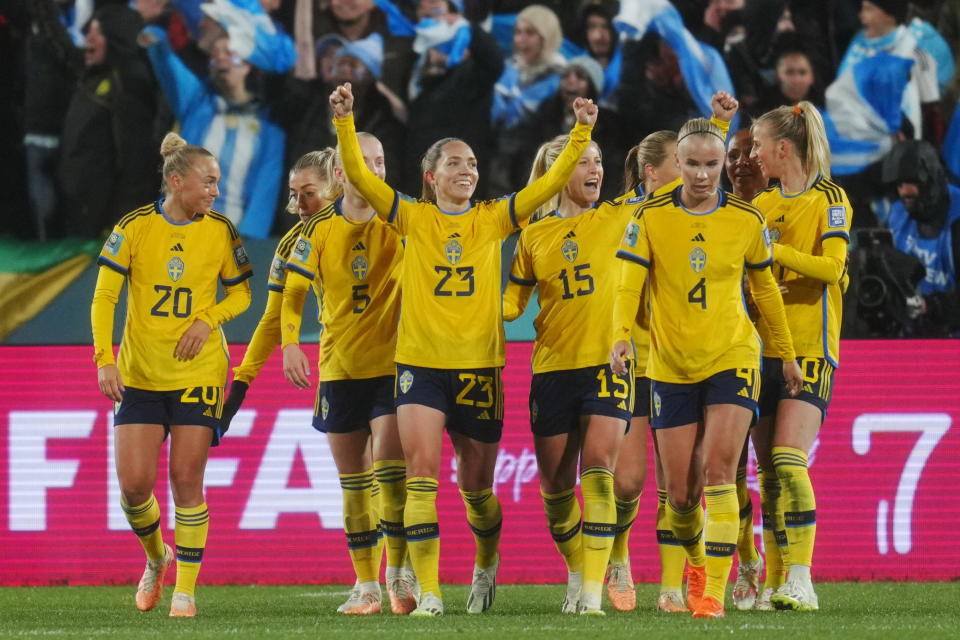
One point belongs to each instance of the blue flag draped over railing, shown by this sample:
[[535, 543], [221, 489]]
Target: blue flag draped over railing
[[702, 66]]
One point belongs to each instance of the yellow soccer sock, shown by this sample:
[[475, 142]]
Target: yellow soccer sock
[[799, 504], [687, 527], [423, 532], [192, 524], [673, 557], [746, 545], [774, 535], [392, 478], [599, 525], [563, 519], [626, 514], [144, 519], [720, 537], [375, 506], [485, 519], [359, 524]]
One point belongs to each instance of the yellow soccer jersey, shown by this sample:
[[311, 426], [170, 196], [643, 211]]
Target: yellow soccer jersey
[[573, 264], [803, 222], [172, 272], [451, 316], [699, 324], [358, 266], [266, 337]]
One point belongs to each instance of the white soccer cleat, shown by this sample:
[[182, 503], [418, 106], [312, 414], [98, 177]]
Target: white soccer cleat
[[151, 584], [353, 600], [484, 588], [401, 587], [796, 594], [590, 605], [746, 588], [182, 606], [431, 606], [571, 599], [763, 600]]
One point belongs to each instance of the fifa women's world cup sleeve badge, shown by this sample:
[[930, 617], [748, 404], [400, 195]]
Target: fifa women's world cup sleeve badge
[[631, 235], [112, 245]]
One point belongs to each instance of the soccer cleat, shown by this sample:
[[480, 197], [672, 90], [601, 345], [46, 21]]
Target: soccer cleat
[[746, 588], [431, 606], [796, 594], [763, 600], [182, 606], [590, 605], [696, 582], [353, 600], [484, 588], [708, 607], [151, 584], [368, 602], [401, 587], [672, 602], [571, 599], [620, 587]]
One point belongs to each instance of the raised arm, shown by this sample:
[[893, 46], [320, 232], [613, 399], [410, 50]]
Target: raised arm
[[378, 193], [536, 193]]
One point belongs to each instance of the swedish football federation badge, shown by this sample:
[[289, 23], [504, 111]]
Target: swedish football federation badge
[[405, 381], [632, 233], [656, 403], [453, 251], [570, 249], [359, 266], [175, 268], [698, 259], [112, 246], [301, 250], [277, 268], [773, 236], [324, 407]]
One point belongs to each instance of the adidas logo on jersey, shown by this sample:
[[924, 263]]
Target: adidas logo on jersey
[[454, 235], [743, 392], [208, 413], [808, 388], [359, 247], [177, 247], [780, 219], [622, 405], [698, 238], [570, 235], [484, 416]]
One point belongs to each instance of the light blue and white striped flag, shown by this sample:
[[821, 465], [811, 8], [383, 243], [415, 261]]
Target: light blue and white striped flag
[[702, 66]]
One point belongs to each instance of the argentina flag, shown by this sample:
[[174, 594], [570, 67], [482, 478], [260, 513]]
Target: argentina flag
[[866, 104], [702, 66], [253, 35]]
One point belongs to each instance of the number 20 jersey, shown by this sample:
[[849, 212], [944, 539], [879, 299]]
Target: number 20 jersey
[[698, 320], [172, 272]]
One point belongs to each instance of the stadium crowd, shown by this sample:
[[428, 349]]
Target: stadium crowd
[[92, 86]]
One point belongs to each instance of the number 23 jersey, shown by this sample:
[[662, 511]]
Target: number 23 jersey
[[172, 272], [698, 320]]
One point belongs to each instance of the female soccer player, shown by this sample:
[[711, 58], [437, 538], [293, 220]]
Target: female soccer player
[[450, 347], [695, 241], [356, 259], [169, 375], [809, 221], [313, 186], [579, 410]]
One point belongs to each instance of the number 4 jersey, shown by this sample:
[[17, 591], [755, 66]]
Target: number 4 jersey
[[172, 272], [698, 320]]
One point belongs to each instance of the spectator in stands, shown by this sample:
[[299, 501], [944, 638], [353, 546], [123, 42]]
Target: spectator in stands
[[306, 112], [224, 114], [925, 221], [531, 76], [450, 98], [597, 35], [582, 78], [797, 76], [52, 65], [107, 164]]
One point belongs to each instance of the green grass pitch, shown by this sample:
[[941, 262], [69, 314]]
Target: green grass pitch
[[866, 610]]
